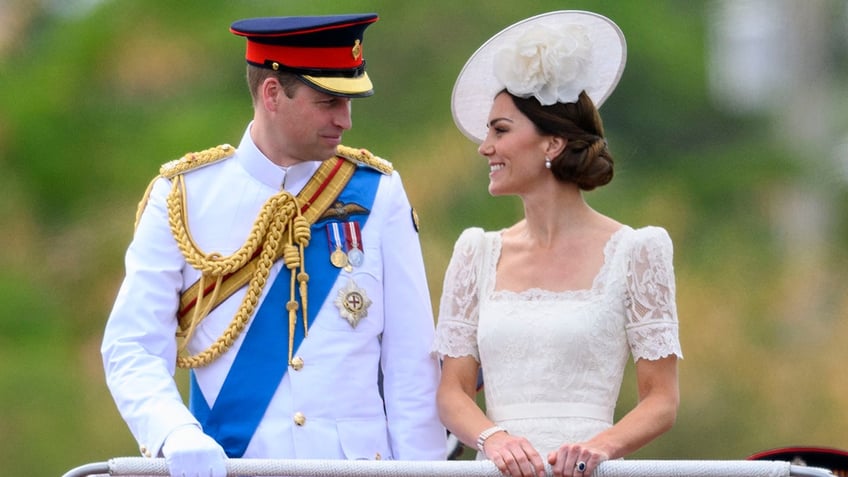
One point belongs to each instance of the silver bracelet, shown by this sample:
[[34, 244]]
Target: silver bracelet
[[481, 439]]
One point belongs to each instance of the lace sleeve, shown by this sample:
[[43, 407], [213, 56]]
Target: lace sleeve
[[456, 331], [652, 326]]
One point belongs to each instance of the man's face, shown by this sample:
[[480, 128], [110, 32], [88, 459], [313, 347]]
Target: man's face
[[310, 124]]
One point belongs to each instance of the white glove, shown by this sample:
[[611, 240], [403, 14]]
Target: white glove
[[191, 453]]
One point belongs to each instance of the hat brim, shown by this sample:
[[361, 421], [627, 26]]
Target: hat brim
[[358, 87], [476, 85]]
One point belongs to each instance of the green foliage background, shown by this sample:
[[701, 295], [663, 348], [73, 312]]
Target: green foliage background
[[93, 100]]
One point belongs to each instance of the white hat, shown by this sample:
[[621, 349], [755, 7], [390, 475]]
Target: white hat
[[553, 56]]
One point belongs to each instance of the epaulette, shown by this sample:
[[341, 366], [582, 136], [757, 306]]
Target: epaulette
[[193, 160], [364, 157]]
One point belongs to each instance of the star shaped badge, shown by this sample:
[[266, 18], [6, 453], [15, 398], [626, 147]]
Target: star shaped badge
[[353, 303]]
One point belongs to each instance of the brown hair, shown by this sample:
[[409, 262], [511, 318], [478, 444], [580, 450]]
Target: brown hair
[[586, 160], [257, 75]]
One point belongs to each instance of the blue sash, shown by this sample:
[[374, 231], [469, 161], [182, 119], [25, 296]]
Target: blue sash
[[262, 360]]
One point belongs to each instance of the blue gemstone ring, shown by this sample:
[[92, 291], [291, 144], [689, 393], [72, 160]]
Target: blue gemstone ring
[[581, 466]]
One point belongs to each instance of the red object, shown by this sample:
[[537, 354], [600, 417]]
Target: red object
[[825, 457]]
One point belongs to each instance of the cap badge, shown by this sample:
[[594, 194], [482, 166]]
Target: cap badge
[[353, 303], [356, 51]]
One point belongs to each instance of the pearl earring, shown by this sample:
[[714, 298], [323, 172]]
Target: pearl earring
[[547, 162]]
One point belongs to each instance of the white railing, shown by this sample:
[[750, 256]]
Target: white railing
[[143, 467]]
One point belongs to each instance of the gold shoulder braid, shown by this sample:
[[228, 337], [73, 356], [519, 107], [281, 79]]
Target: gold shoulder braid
[[282, 229], [186, 163], [365, 157], [193, 160], [279, 230], [278, 215], [275, 218]]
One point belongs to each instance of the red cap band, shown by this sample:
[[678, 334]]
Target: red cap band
[[341, 57]]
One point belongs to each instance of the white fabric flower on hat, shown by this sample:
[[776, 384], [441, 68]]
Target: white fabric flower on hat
[[551, 65]]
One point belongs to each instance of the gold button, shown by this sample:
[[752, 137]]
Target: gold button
[[378, 456], [299, 418], [297, 363], [144, 451]]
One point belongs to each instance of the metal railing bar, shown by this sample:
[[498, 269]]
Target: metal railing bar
[[145, 467]]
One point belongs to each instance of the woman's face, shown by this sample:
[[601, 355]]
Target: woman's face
[[514, 148]]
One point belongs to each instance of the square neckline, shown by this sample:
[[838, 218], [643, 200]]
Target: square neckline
[[610, 247]]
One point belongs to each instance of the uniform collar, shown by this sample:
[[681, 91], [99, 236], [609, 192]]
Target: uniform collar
[[262, 169]]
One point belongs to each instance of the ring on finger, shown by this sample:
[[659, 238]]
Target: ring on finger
[[581, 466]]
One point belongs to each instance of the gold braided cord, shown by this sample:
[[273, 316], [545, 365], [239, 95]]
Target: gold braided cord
[[180, 182], [299, 233], [315, 197], [186, 163], [142, 204], [214, 264], [201, 309], [279, 213], [302, 234]]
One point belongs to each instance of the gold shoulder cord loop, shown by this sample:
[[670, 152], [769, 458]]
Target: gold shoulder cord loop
[[178, 166], [280, 212], [282, 229]]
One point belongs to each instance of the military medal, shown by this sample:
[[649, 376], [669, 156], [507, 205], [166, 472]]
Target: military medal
[[353, 238], [338, 257], [353, 303], [355, 257]]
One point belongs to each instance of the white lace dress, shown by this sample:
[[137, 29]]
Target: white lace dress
[[553, 362]]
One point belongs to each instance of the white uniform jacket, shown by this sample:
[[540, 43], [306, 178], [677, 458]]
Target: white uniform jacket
[[331, 407]]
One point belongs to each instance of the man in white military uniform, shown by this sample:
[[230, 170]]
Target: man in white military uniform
[[291, 273]]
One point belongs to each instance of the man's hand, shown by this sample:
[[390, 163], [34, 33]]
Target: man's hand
[[191, 453]]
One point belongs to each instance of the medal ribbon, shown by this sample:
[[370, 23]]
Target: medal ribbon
[[338, 257], [353, 239], [336, 240]]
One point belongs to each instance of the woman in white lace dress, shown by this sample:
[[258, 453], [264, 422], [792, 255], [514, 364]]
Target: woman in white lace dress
[[553, 307]]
